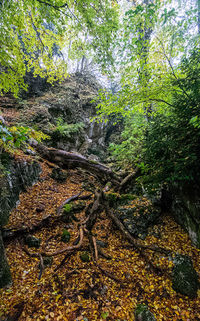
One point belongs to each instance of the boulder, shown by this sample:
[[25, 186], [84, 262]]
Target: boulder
[[137, 219], [184, 276], [142, 313], [32, 241], [47, 261], [61, 110]]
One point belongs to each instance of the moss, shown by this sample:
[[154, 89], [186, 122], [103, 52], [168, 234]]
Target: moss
[[114, 198], [85, 257], [92, 161], [143, 314], [65, 237], [128, 197], [67, 208]]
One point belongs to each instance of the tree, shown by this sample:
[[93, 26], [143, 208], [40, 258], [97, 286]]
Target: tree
[[151, 78], [28, 43]]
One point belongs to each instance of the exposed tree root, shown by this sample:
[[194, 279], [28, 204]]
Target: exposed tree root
[[9, 234], [68, 248], [136, 244], [72, 160]]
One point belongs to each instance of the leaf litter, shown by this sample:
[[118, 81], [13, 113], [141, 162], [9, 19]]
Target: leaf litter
[[78, 290]]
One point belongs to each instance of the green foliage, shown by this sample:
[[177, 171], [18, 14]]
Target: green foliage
[[172, 141], [130, 151], [67, 130], [14, 137], [159, 96], [31, 30]]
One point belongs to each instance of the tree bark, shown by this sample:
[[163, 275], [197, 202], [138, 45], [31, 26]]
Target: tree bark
[[72, 160]]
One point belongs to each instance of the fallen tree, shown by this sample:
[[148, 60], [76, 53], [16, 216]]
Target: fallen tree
[[69, 160]]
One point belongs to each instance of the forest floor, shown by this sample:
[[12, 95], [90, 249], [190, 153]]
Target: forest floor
[[79, 290]]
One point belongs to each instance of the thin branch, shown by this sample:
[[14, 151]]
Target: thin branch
[[37, 32], [53, 6], [155, 99], [41, 266], [68, 248], [65, 5], [172, 69]]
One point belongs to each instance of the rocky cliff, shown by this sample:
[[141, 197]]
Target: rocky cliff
[[64, 113], [15, 176]]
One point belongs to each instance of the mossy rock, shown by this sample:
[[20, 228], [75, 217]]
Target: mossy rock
[[33, 241], [85, 257], [59, 175], [142, 313], [184, 276], [47, 261], [65, 237], [119, 199], [5, 275], [70, 209]]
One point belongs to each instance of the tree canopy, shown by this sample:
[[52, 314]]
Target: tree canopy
[[32, 30], [150, 48]]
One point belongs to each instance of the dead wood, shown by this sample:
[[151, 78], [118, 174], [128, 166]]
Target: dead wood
[[9, 234], [68, 200], [68, 248], [95, 210], [95, 248], [41, 266], [72, 160], [127, 180]]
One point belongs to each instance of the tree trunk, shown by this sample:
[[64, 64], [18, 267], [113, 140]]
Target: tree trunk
[[72, 160]]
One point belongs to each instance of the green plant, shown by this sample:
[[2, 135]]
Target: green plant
[[67, 130], [130, 150], [67, 208], [65, 237], [172, 140], [15, 137]]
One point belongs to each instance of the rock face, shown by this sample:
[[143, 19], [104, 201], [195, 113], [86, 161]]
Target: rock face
[[185, 207], [184, 276], [64, 113], [5, 275], [15, 176]]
